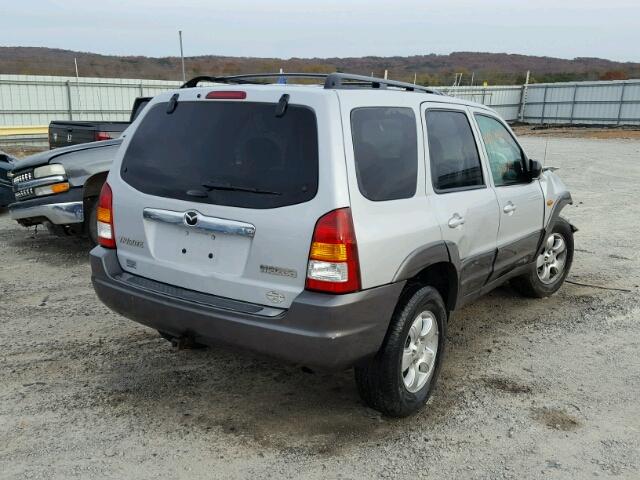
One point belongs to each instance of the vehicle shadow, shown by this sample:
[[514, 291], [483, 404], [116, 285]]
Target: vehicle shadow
[[255, 399], [274, 405]]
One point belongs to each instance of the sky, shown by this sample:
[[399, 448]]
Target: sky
[[327, 28]]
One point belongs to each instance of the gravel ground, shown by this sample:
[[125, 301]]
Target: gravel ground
[[529, 389]]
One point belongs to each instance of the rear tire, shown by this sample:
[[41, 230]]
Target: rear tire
[[91, 219], [551, 266], [400, 378]]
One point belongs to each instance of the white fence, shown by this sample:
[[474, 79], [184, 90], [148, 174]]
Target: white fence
[[577, 103], [506, 100], [27, 100]]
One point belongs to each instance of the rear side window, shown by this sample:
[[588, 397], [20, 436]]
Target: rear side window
[[455, 163], [225, 153], [386, 152]]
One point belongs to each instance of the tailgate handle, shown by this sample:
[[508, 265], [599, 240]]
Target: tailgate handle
[[202, 222]]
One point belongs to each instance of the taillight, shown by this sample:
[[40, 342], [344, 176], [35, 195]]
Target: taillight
[[333, 258], [106, 233], [227, 95], [102, 136]]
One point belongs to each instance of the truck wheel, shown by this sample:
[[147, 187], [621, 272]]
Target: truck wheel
[[552, 265], [400, 378], [91, 219]]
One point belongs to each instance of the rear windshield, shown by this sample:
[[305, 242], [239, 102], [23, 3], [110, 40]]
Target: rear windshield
[[225, 153]]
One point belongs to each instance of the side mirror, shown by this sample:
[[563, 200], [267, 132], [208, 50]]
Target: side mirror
[[535, 169]]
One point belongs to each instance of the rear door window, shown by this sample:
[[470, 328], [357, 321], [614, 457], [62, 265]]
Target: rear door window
[[225, 153], [453, 155], [385, 151]]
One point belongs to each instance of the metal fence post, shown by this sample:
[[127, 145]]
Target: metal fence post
[[523, 97], [544, 104], [69, 107], [573, 103], [141, 91], [620, 105]]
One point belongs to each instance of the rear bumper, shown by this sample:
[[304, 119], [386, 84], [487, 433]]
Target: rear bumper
[[332, 332], [61, 209]]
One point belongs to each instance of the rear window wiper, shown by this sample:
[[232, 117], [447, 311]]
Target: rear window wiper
[[238, 188]]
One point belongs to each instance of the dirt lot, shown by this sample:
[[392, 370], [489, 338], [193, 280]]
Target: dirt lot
[[529, 389], [611, 133]]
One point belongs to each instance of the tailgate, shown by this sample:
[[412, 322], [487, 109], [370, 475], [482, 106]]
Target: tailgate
[[222, 197], [63, 134]]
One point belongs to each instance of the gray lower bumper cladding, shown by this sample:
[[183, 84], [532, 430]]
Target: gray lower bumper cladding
[[331, 332]]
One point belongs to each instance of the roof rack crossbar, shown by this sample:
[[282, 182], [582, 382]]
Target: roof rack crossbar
[[331, 81]]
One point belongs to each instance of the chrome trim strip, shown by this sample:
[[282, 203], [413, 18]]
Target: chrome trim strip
[[56, 213], [39, 182], [207, 224]]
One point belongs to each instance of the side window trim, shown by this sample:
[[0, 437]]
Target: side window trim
[[485, 152], [427, 154]]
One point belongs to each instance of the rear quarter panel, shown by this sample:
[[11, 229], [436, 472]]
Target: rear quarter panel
[[387, 232]]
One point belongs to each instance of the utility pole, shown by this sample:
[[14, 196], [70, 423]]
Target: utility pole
[[75, 62], [523, 97], [184, 76]]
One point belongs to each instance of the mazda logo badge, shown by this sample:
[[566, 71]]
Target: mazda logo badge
[[191, 218]]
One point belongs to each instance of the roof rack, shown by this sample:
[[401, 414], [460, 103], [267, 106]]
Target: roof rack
[[331, 81]]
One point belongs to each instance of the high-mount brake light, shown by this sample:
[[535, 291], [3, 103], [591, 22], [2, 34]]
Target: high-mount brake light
[[227, 95], [333, 258], [106, 233]]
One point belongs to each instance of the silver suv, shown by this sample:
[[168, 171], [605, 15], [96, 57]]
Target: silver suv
[[333, 226]]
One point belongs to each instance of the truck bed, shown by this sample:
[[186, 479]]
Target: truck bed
[[63, 133]]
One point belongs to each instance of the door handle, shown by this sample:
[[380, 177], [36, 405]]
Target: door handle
[[455, 221], [509, 208]]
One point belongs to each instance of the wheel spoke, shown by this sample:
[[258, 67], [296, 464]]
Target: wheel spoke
[[414, 332], [546, 271], [410, 377], [559, 246], [540, 261], [427, 327], [407, 358], [549, 244]]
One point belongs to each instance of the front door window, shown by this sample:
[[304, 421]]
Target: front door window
[[505, 156]]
